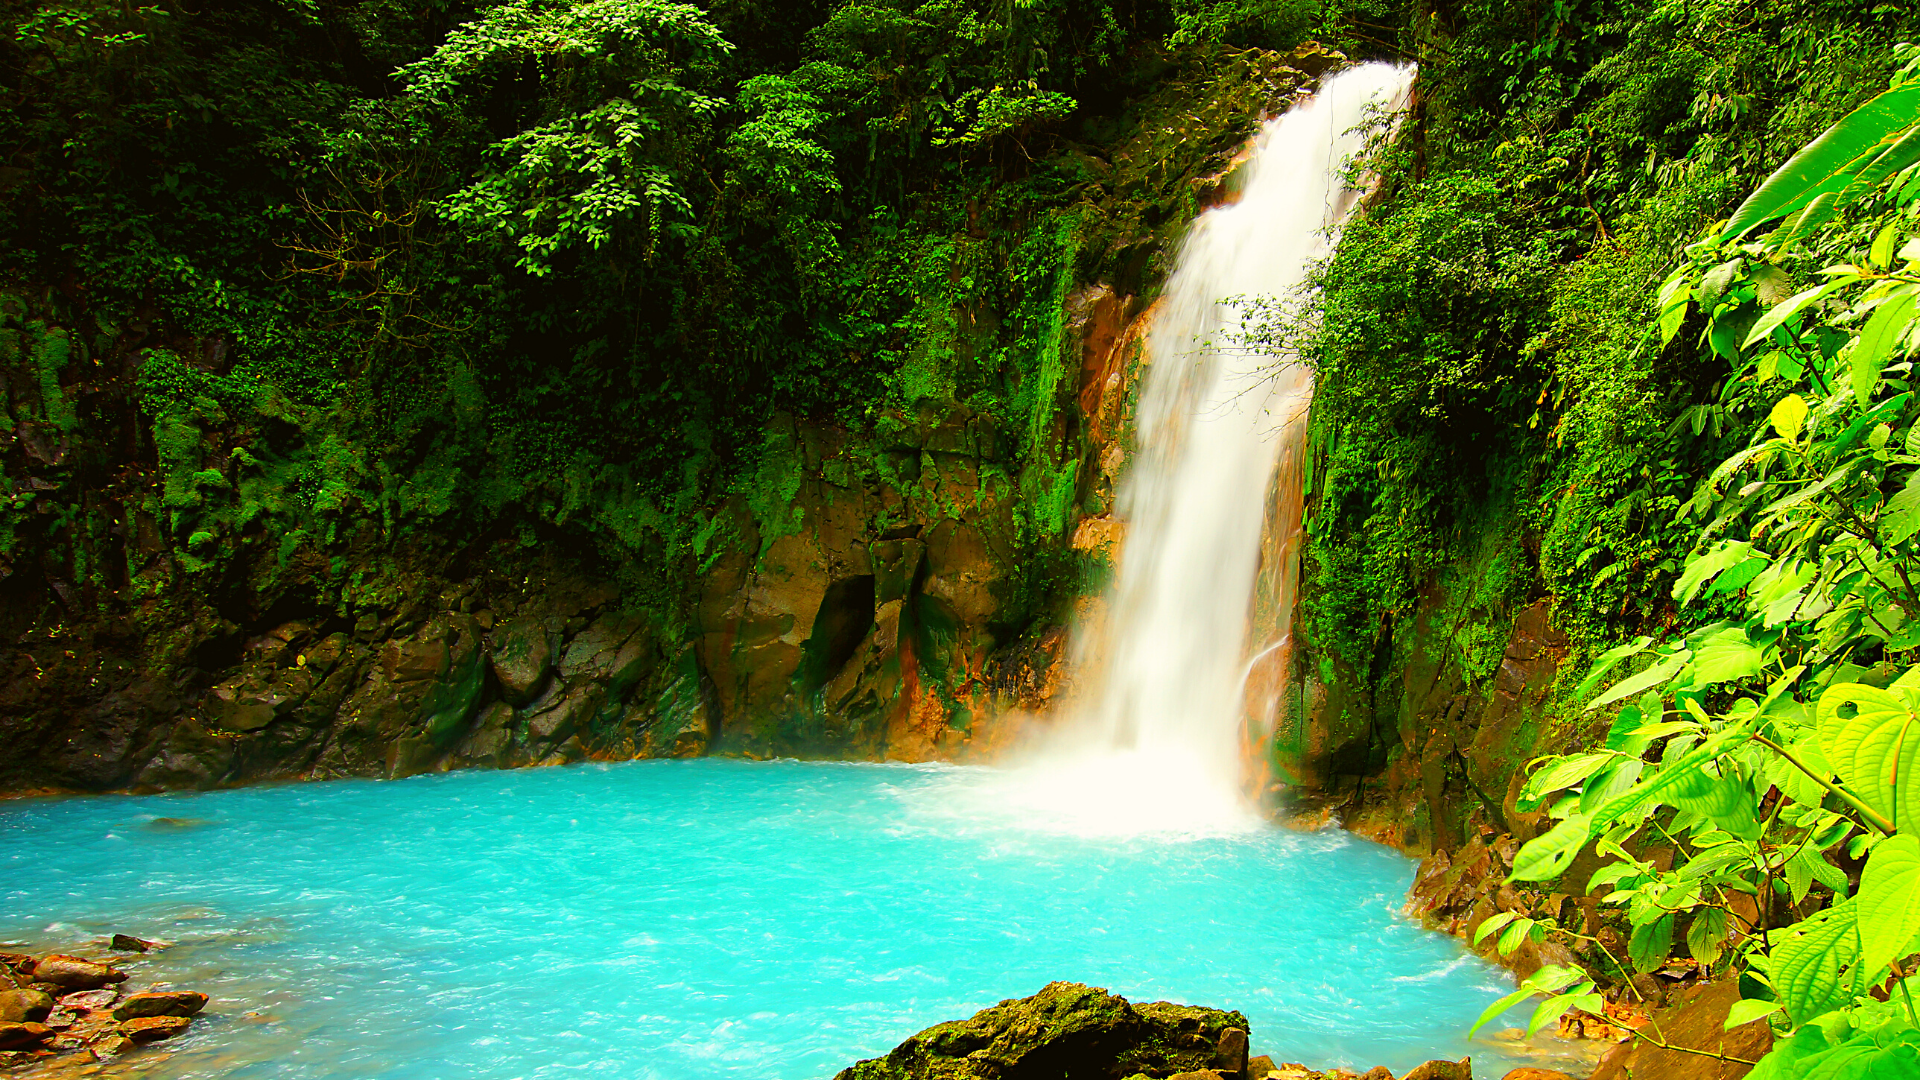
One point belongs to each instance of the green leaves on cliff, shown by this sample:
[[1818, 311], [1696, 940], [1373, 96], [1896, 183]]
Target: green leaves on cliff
[[1797, 751], [1868, 145], [614, 125]]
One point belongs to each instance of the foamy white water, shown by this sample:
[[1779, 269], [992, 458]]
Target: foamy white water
[[1157, 742]]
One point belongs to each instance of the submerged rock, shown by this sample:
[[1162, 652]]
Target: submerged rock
[[90, 1000], [160, 1003], [1069, 1030]]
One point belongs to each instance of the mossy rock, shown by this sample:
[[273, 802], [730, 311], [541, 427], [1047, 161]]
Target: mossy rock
[[1068, 1031]]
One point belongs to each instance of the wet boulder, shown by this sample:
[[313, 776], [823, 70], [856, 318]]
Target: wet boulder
[[75, 973], [25, 1036], [160, 1003], [90, 1000], [522, 654], [146, 1029], [24, 1006], [1067, 1029]]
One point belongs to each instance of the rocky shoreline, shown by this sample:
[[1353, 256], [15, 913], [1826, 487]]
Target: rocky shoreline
[[61, 1006]]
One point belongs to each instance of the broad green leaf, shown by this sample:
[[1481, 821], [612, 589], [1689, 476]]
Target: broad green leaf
[[1900, 518], [1608, 660], [1725, 655], [1809, 958], [1785, 1060], [1880, 254], [1670, 322], [1702, 567], [1789, 415], [1650, 943], [1657, 675], [1811, 491], [1674, 290], [1610, 784], [1707, 934], [1799, 872], [1901, 154], [1747, 1010], [1876, 751], [1545, 856], [1876, 343], [1889, 903], [1803, 222], [1725, 800], [1672, 774], [1563, 773], [1491, 924], [1552, 1009], [1548, 979], [1611, 873], [1715, 283], [1514, 937], [1797, 785], [1498, 1007], [1788, 308], [1828, 162]]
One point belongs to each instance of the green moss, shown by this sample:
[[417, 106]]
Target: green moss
[[52, 348]]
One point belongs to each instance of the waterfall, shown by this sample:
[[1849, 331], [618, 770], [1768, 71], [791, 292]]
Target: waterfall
[[1156, 735]]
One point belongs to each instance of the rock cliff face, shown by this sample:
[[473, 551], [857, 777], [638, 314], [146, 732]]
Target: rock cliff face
[[885, 593]]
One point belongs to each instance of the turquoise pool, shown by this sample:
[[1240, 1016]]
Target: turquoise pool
[[703, 919]]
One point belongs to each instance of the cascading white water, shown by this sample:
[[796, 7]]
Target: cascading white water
[[1156, 740]]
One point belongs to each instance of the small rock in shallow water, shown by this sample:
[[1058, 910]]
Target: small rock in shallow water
[[90, 1000], [76, 973], [1378, 1072], [1442, 1070], [21, 1006], [1259, 1067], [1531, 1073], [160, 1003], [111, 1048], [23, 1036], [146, 1029], [129, 943]]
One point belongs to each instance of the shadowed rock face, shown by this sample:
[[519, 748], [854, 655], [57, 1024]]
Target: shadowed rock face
[[1069, 1031]]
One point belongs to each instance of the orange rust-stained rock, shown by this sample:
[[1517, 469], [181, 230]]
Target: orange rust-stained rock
[[1696, 1024], [146, 1029]]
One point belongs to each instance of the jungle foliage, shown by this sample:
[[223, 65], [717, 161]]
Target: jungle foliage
[[1772, 739], [294, 277], [1558, 159]]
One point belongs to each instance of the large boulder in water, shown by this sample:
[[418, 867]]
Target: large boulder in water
[[1068, 1031]]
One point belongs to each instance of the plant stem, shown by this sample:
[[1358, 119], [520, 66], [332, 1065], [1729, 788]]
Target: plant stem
[[1663, 1044], [1846, 796]]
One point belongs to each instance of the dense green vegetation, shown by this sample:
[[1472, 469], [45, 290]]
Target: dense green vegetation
[[1788, 756], [1559, 160], [304, 280]]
